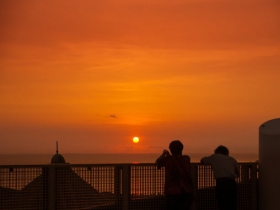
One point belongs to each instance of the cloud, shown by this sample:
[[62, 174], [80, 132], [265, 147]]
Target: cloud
[[112, 116]]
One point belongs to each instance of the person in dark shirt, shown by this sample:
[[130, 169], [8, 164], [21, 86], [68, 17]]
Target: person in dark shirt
[[225, 170], [178, 186]]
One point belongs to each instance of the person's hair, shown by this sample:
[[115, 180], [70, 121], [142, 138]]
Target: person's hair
[[222, 150], [176, 147]]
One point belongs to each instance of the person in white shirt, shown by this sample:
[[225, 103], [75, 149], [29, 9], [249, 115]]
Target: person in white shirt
[[225, 169]]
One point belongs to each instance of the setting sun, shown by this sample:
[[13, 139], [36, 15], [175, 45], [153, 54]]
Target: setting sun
[[135, 139], [93, 76]]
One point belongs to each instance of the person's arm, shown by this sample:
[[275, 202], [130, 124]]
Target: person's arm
[[160, 159], [237, 172], [206, 160]]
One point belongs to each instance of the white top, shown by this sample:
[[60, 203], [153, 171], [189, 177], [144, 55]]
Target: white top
[[222, 165], [271, 127]]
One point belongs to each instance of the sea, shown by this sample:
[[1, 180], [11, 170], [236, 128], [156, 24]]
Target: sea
[[106, 158]]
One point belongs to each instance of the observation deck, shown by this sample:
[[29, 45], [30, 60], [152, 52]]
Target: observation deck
[[110, 186]]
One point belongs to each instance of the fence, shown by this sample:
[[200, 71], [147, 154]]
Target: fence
[[109, 186]]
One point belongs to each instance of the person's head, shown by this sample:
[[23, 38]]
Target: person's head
[[222, 150], [176, 147]]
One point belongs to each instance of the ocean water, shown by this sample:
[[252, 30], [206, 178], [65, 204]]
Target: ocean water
[[31, 159]]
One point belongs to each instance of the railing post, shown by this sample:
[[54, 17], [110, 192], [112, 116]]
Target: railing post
[[117, 184], [254, 184], [194, 171], [51, 188], [125, 186], [117, 181]]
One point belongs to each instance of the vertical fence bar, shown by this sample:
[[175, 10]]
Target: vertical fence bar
[[126, 186], [254, 184], [117, 184], [45, 176], [194, 172], [51, 188]]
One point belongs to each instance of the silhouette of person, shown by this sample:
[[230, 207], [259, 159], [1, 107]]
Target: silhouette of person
[[225, 170], [178, 187]]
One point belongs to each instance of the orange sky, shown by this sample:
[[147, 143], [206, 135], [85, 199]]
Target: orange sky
[[92, 74]]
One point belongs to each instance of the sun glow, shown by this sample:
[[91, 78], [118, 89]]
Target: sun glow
[[135, 139]]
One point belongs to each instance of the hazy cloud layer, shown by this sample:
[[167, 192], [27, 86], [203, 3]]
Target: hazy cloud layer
[[204, 71]]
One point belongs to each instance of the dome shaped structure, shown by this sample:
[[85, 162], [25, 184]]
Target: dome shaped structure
[[58, 158]]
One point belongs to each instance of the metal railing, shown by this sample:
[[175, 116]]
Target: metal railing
[[110, 186]]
